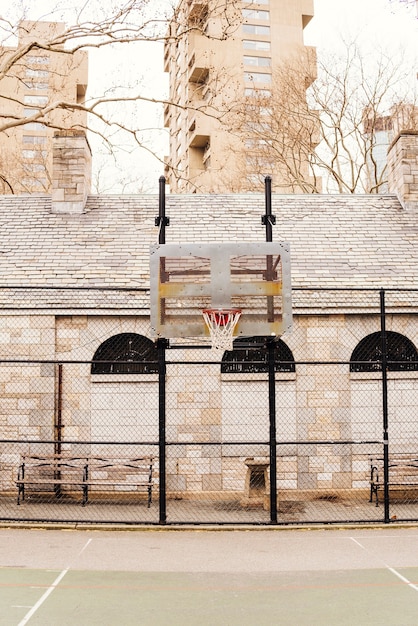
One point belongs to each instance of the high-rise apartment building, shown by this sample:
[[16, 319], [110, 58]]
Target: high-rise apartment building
[[379, 132], [37, 76], [219, 56]]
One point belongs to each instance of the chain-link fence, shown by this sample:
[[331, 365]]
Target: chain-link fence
[[101, 424]]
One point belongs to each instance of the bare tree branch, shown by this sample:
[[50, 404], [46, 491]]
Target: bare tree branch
[[127, 24], [328, 138]]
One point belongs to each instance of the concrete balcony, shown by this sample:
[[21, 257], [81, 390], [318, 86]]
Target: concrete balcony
[[307, 12], [199, 130], [167, 56], [199, 58], [198, 12], [167, 116], [312, 65]]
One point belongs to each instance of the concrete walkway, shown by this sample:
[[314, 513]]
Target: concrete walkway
[[209, 577]]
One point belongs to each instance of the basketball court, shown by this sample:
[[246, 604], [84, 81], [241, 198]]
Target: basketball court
[[183, 576]]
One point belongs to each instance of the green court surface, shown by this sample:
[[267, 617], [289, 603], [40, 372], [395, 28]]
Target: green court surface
[[224, 577]]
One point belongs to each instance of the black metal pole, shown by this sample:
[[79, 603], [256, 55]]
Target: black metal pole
[[162, 369], [273, 437], [385, 404], [58, 430], [268, 220], [58, 412], [162, 221]]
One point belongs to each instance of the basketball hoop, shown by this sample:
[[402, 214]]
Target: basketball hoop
[[221, 324]]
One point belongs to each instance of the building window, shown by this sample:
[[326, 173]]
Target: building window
[[255, 29], [263, 46], [258, 61], [37, 85], [401, 354], [255, 14], [39, 100], [252, 92], [33, 154], [34, 126], [127, 353], [34, 183], [34, 167], [257, 77], [39, 139], [40, 86], [250, 356], [31, 73], [37, 59]]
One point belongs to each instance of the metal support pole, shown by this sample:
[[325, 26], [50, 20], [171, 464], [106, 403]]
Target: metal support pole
[[58, 411], [162, 449], [273, 436], [385, 404], [162, 344], [162, 221], [58, 427], [268, 220]]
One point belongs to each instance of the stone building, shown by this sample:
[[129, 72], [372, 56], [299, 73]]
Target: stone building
[[74, 280]]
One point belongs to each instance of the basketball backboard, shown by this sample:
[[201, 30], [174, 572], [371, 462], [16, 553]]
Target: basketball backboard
[[187, 279]]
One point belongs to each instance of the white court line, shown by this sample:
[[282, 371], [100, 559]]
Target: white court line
[[50, 589], [390, 569], [43, 598]]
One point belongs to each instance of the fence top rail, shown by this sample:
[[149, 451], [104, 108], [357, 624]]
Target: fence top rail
[[146, 289]]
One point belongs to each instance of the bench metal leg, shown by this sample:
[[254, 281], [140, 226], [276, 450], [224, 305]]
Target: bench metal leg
[[85, 495]]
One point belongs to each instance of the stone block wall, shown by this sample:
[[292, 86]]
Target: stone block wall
[[403, 168], [71, 171], [214, 421], [27, 388]]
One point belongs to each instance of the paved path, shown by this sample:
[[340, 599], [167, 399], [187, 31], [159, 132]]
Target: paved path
[[209, 577]]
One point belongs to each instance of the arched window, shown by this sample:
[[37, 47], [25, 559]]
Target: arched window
[[126, 353], [401, 354], [250, 355]]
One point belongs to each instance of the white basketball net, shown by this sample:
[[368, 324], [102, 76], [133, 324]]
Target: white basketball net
[[221, 324]]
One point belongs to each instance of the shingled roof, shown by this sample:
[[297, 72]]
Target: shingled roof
[[100, 258]]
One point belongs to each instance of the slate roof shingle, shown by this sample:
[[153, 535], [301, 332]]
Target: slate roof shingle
[[353, 241]]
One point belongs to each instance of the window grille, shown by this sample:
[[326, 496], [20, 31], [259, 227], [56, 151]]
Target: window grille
[[401, 354], [251, 356], [127, 353]]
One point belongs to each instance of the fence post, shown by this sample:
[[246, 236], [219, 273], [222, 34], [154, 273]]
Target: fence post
[[162, 368], [58, 409], [385, 404], [273, 434], [268, 220], [58, 425], [162, 221]]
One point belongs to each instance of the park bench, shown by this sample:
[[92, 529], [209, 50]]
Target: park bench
[[48, 473], [43, 473], [403, 474], [120, 473]]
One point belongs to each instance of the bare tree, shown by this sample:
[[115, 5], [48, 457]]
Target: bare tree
[[112, 114], [340, 125]]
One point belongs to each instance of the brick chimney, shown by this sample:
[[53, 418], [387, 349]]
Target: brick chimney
[[403, 168], [71, 171]]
